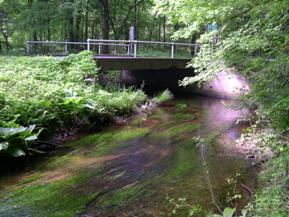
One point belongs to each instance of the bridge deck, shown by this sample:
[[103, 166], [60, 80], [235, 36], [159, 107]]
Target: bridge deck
[[139, 63]]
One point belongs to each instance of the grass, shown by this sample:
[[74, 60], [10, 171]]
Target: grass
[[163, 52]]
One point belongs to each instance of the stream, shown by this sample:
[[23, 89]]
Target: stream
[[180, 159]]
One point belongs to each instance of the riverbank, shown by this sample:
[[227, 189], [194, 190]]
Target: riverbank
[[42, 96], [271, 151]]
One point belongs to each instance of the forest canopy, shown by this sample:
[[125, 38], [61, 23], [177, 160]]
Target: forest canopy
[[78, 20]]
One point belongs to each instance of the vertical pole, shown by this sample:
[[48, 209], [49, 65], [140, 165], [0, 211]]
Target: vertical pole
[[65, 49], [196, 49], [173, 50], [27, 48], [99, 48], [135, 48], [88, 44]]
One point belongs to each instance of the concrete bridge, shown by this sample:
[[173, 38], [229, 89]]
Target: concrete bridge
[[158, 64]]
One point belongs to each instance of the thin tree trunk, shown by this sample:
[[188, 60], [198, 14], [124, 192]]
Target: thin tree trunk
[[34, 34], [69, 21], [30, 2], [6, 42], [160, 29], [135, 20], [70, 27], [93, 28], [164, 29], [86, 23], [48, 32], [105, 24], [152, 27], [81, 31], [77, 28]]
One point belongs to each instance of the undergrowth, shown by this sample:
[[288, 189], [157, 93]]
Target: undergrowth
[[272, 198], [163, 97], [54, 95]]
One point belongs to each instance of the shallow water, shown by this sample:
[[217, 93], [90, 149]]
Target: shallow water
[[180, 158]]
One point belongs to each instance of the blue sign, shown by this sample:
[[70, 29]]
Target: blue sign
[[212, 27]]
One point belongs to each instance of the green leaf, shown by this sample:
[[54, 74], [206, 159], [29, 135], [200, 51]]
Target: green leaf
[[16, 152], [4, 145], [7, 132], [228, 212], [31, 138], [194, 210]]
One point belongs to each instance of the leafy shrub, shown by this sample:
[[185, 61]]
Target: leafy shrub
[[164, 97], [14, 139], [56, 94]]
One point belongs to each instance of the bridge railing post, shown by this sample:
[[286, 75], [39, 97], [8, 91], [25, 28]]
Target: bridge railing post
[[173, 50], [135, 49], [99, 48], [128, 49], [27, 48], [88, 44], [66, 48]]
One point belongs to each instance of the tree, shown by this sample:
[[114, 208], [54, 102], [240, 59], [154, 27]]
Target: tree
[[77, 20], [105, 24], [5, 29]]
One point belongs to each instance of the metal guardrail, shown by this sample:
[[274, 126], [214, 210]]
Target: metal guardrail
[[130, 47]]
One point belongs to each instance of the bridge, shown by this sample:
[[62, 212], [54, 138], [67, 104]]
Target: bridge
[[122, 54], [157, 64]]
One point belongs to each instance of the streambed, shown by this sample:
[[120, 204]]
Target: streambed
[[180, 158]]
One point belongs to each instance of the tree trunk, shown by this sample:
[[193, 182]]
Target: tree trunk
[[69, 24], [160, 29], [105, 24], [86, 23], [70, 27], [30, 2], [34, 34], [152, 27], [48, 32], [77, 28], [93, 28], [6, 42], [164, 29], [135, 21]]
